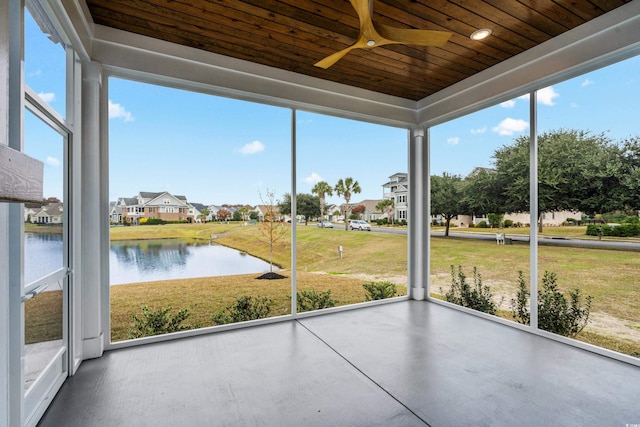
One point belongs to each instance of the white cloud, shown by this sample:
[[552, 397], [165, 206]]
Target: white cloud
[[453, 140], [479, 131], [36, 73], [313, 178], [252, 148], [47, 97], [508, 104], [52, 161], [587, 82], [117, 111], [510, 126], [547, 95]]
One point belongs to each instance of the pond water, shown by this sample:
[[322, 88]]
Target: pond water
[[146, 260]]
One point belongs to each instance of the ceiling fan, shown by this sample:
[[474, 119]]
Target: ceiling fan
[[379, 35]]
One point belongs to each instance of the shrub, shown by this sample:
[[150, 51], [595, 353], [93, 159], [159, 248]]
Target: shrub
[[482, 224], [555, 313], [508, 223], [159, 322], [495, 219], [312, 300], [621, 230], [478, 297], [245, 308], [152, 221], [380, 290]]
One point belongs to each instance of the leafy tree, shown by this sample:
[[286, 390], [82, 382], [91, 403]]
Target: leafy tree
[[253, 215], [483, 192], [307, 205], [223, 214], [237, 216], [576, 171], [344, 188], [630, 155], [284, 205], [386, 206], [358, 211], [271, 229], [322, 189], [447, 197]]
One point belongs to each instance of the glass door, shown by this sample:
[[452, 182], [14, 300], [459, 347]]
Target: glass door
[[46, 266]]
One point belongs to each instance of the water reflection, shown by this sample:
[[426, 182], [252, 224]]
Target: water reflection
[[43, 254], [134, 261], [149, 260]]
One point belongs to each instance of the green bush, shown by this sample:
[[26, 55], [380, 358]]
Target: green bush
[[555, 313], [152, 221], [478, 297], [482, 224], [159, 322], [622, 230], [508, 223], [380, 290], [312, 300], [245, 308], [495, 219]]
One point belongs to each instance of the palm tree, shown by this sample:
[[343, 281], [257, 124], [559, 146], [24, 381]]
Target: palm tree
[[244, 210], [204, 214], [344, 188], [386, 205], [322, 189]]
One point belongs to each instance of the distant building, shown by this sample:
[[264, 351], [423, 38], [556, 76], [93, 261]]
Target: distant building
[[162, 205], [371, 213], [397, 190], [51, 213]]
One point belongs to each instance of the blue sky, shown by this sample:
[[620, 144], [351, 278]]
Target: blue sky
[[216, 150]]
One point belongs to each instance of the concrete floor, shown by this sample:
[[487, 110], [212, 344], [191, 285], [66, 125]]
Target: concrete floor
[[404, 364]]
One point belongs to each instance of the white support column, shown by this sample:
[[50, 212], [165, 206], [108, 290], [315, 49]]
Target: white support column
[[534, 211], [418, 215], [11, 314], [91, 280], [294, 212]]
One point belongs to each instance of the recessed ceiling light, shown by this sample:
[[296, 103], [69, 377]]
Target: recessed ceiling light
[[371, 42], [480, 34]]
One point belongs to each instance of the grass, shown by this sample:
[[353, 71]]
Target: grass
[[43, 317], [207, 296], [610, 276], [578, 232]]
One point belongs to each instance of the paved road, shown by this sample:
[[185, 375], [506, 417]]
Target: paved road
[[558, 241]]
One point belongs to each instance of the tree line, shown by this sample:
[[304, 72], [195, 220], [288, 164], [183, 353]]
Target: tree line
[[577, 171]]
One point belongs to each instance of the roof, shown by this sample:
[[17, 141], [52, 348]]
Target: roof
[[292, 35], [369, 204]]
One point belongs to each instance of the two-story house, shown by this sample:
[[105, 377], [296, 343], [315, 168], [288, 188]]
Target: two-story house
[[162, 205], [397, 190]]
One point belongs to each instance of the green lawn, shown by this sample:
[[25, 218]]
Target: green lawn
[[610, 276]]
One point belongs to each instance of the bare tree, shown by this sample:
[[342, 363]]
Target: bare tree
[[271, 228]]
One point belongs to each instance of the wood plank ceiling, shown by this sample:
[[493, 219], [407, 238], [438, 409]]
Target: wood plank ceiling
[[295, 34]]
